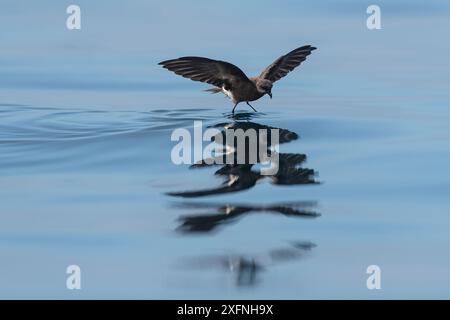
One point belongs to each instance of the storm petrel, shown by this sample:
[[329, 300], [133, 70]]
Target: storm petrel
[[231, 80]]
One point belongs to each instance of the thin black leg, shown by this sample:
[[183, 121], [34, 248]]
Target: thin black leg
[[234, 107], [251, 107]]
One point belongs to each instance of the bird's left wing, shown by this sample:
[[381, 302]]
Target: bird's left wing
[[215, 72]]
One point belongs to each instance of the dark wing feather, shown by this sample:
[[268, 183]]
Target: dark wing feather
[[215, 72], [285, 64], [240, 183]]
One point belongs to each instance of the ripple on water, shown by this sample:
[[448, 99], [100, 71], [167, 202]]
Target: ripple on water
[[37, 136]]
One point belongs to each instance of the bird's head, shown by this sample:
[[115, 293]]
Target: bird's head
[[264, 86]]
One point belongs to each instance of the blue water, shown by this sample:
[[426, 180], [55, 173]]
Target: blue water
[[85, 168]]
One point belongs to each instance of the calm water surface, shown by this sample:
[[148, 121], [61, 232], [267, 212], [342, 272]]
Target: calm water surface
[[86, 176]]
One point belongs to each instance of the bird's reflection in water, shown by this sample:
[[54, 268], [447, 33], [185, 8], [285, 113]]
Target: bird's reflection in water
[[239, 177], [246, 268], [224, 214]]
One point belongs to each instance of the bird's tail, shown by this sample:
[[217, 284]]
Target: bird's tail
[[214, 90]]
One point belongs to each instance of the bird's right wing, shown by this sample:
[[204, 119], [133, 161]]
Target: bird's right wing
[[285, 64], [215, 72]]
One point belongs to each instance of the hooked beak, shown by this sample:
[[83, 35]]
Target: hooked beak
[[270, 94]]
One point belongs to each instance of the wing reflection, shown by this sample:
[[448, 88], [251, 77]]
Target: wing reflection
[[246, 268], [222, 215]]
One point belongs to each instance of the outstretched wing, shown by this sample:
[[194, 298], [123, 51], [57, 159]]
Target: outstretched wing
[[215, 72], [233, 184], [285, 64]]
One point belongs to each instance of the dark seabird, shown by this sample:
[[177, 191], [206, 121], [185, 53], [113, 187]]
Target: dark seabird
[[231, 80]]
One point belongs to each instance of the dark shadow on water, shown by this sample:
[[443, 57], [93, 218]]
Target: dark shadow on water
[[243, 115], [215, 216], [246, 269]]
